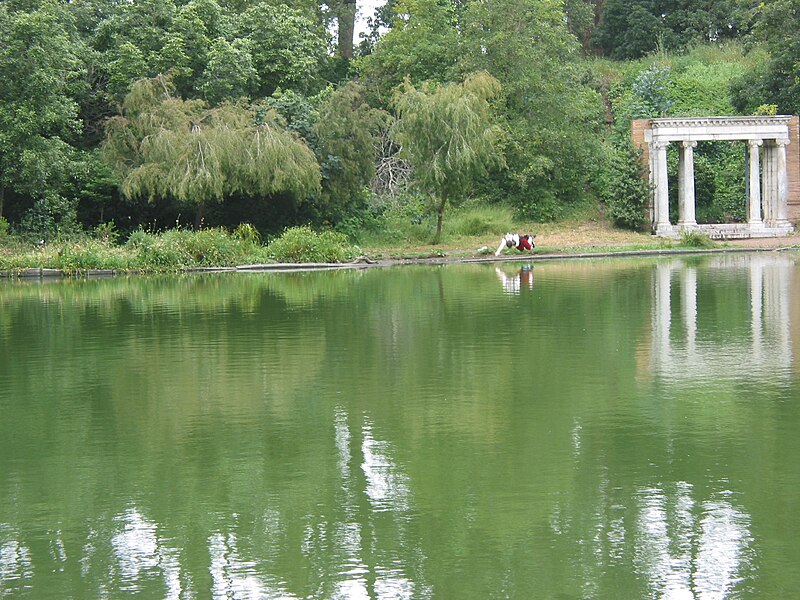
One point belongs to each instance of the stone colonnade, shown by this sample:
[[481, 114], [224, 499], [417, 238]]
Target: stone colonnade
[[767, 173]]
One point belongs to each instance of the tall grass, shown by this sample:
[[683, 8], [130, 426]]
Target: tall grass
[[302, 244], [696, 239], [413, 225], [179, 249], [478, 221]]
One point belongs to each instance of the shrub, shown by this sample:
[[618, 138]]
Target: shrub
[[696, 239], [405, 218], [179, 248], [247, 233], [90, 254], [51, 217], [107, 232], [623, 186], [302, 244]]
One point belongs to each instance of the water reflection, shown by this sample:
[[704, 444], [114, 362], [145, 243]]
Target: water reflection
[[140, 554], [235, 577], [387, 488], [690, 551], [681, 351], [514, 283], [15, 558], [367, 572]]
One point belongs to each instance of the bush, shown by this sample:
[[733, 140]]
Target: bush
[[361, 224], [696, 239], [179, 248], [302, 244], [107, 232], [52, 217], [623, 186], [405, 218], [247, 233]]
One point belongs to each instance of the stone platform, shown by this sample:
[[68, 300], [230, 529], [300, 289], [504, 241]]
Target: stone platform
[[730, 231]]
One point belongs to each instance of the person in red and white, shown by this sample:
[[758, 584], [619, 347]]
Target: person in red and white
[[515, 240]]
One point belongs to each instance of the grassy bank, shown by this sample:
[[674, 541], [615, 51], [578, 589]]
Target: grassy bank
[[175, 250], [469, 234]]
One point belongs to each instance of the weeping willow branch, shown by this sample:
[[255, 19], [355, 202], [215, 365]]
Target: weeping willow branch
[[163, 146]]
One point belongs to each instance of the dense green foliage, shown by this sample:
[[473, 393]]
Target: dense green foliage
[[623, 187], [213, 113], [776, 80], [302, 244], [630, 29], [167, 147]]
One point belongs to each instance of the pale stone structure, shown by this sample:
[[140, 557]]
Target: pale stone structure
[[772, 177]]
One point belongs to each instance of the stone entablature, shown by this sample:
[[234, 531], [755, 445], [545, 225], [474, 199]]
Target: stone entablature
[[772, 173], [719, 128]]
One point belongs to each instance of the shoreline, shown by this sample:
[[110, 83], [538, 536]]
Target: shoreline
[[363, 262]]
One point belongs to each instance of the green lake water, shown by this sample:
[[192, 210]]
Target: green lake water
[[625, 428]]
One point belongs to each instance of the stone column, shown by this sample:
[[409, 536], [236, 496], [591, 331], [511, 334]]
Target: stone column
[[768, 187], [754, 186], [661, 225], [686, 199], [781, 184]]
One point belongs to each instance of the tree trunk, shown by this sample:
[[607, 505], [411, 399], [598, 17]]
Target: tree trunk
[[439, 216], [200, 216], [2, 198], [346, 18]]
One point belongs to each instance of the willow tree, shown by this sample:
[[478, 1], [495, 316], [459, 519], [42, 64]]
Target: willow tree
[[163, 146], [447, 135]]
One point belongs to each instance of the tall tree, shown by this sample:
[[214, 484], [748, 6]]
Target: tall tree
[[346, 131], [583, 16], [345, 13], [38, 118], [163, 146], [446, 132], [288, 49], [629, 29], [549, 110], [229, 74], [423, 45], [777, 26]]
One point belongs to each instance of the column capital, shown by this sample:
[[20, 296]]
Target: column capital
[[782, 142], [689, 144], [755, 143], [659, 144]]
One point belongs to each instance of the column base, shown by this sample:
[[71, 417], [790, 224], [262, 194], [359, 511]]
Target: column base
[[781, 224], [665, 230], [741, 231]]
